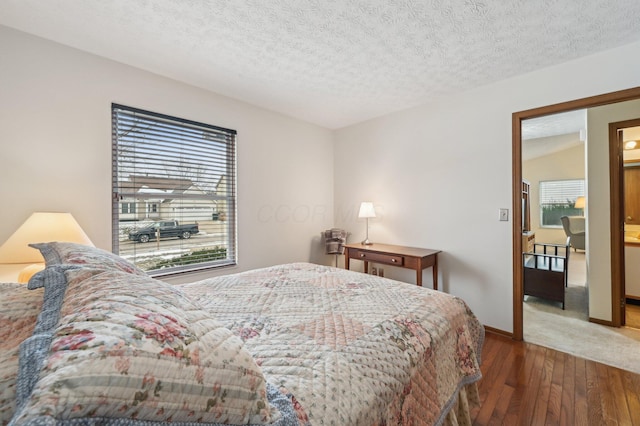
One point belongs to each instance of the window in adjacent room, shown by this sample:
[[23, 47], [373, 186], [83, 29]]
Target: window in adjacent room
[[557, 199], [174, 192]]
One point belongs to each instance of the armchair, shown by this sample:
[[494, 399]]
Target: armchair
[[575, 229]]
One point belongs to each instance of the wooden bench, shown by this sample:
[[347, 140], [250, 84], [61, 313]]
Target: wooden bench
[[545, 271]]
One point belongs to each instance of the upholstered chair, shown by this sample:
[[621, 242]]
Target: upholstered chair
[[574, 227]]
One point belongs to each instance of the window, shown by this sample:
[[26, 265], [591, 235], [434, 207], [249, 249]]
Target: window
[[174, 192], [557, 199], [128, 208]]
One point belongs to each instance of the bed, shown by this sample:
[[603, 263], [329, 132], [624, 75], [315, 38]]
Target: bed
[[295, 344]]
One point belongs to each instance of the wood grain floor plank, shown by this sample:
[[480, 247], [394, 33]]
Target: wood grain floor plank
[[609, 414], [555, 395], [490, 357], [519, 367], [519, 389], [580, 392], [500, 411], [594, 404], [554, 406], [544, 390], [495, 375], [631, 383], [569, 380], [619, 398], [530, 390]]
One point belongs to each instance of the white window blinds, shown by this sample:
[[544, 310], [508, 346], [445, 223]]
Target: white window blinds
[[558, 198], [174, 192], [561, 191]]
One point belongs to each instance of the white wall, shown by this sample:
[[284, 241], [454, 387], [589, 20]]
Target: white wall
[[55, 145], [440, 172]]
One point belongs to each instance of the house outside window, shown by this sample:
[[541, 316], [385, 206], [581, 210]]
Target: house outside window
[[173, 179], [557, 199]]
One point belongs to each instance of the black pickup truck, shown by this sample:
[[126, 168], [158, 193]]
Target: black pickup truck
[[167, 229]]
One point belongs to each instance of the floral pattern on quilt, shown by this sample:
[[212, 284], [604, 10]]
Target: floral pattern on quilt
[[353, 348], [130, 347], [19, 308]]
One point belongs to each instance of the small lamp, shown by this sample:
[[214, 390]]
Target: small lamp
[[580, 203], [39, 227], [367, 211]]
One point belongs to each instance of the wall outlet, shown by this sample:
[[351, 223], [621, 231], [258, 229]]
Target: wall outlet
[[504, 215]]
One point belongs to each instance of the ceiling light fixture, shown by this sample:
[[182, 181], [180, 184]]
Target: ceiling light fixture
[[630, 144]]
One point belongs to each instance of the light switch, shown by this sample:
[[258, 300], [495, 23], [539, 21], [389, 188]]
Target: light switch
[[504, 215]]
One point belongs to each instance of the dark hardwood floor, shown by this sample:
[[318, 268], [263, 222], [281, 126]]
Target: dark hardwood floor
[[526, 384]]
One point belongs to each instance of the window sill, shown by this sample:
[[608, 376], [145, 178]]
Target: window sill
[[186, 273]]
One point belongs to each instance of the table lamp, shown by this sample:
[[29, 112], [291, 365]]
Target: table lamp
[[40, 227], [367, 211]]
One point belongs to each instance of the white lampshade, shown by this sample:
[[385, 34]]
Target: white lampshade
[[366, 210], [580, 203], [41, 227]]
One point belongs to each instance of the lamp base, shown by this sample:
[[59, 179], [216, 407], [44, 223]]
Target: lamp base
[[366, 242], [26, 274]]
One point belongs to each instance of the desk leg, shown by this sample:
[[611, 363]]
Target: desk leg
[[346, 259], [425, 263], [435, 272]]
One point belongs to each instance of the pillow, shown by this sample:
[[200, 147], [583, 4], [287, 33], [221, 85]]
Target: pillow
[[57, 253], [19, 308], [121, 346]]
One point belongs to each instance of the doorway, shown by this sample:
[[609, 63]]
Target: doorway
[[553, 170], [624, 141], [616, 240]]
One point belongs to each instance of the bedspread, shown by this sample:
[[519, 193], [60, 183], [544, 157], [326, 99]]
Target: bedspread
[[353, 349]]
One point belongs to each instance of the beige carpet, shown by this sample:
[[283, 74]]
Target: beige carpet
[[546, 324]]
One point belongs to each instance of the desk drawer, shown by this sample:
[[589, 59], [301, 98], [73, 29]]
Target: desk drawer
[[387, 259]]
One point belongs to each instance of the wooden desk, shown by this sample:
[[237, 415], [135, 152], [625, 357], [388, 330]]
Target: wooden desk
[[403, 257]]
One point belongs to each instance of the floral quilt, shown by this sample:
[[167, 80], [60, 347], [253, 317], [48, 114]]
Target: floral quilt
[[353, 349]]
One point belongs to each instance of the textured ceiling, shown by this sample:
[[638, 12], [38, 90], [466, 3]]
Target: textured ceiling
[[332, 62], [555, 124], [553, 133]]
